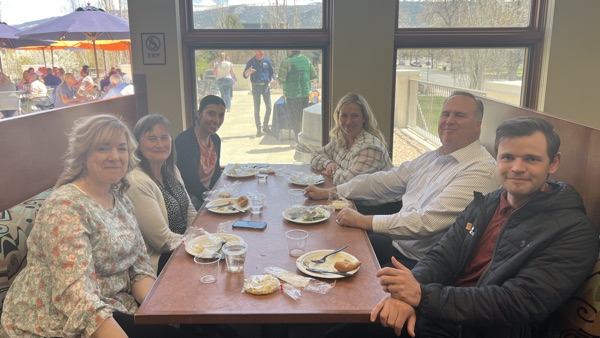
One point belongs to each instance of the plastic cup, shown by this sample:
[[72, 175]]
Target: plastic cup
[[208, 265], [296, 197], [235, 256], [296, 241], [262, 178], [257, 202]]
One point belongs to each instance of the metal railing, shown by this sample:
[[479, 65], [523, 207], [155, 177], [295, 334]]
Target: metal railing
[[424, 105]]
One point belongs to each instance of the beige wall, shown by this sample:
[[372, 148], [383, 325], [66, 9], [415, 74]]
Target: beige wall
[[164, 83], [363, 55], [570, 88]]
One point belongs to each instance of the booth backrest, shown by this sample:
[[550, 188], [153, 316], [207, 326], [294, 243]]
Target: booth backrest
[[32, 146], [580, 146]]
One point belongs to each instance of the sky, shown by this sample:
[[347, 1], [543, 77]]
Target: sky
[[15, 12]]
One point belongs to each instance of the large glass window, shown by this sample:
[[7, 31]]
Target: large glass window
[[247, 138], [463, 13], [258, 14], [426, 77], [491, 48]]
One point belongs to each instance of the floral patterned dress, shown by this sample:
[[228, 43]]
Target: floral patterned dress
[[82, 262]]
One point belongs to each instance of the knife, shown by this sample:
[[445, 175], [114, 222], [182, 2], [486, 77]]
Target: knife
[[345, 274], [218, 205]]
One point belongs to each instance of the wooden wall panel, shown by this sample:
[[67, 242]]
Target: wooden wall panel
[[32, 146]]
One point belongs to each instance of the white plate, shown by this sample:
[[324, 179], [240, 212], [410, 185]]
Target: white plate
[[196, 245], [328, 265], [287, 215], [225, 209], [306, 180], [241, 172]]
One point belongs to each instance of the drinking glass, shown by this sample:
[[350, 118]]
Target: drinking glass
[[235, 255]]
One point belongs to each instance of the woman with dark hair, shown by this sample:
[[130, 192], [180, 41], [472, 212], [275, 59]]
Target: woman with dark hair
[[199, 149], [86, 84], [157, 191]]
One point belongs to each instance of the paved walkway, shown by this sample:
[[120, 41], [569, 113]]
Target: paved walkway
[[240, 144], [238, 133]]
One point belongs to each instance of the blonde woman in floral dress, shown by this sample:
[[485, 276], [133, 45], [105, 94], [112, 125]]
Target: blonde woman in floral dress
[[87, 268]]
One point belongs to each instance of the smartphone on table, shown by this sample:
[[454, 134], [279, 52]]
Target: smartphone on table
[[249, 224]]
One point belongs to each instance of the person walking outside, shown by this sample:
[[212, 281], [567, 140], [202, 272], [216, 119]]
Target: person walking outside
[[295, 73], [224, 72], [260, 71]]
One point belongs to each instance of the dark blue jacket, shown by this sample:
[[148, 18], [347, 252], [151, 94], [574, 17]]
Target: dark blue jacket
[[543, 253]]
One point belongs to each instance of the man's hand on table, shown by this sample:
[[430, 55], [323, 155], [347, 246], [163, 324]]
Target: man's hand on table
[[349, 217], [317, 193]]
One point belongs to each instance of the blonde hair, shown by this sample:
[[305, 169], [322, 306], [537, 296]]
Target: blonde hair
[[87, 134], [370, 125]]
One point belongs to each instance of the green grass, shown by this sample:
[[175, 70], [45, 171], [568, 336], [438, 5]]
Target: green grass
[[431, 107]]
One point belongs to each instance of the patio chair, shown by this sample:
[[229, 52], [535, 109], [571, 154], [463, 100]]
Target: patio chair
[[10, 103]]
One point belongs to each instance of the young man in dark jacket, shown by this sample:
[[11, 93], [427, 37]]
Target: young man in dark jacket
[[510, 259]]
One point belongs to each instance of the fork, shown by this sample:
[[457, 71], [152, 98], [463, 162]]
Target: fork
[[231, 207], [322, 260]]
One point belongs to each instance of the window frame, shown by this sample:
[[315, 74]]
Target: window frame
[[531, 38], [193, 39]]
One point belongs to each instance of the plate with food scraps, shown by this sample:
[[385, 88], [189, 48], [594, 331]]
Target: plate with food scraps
[[306, 215], [238, 171], [226, 206], [209, 244], [305, 261], [306, 179]]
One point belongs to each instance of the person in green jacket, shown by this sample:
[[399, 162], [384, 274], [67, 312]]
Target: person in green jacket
[[295, 73]]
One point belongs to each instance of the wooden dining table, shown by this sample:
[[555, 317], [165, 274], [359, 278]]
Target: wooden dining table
[[178, 297]]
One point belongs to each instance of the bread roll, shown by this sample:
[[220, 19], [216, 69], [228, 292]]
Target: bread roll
[[346, 265], [242, 201]]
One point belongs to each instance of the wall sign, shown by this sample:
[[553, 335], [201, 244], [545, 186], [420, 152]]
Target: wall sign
[[153, 48]]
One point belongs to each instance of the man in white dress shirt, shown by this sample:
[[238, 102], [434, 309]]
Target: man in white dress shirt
[[434, 188]]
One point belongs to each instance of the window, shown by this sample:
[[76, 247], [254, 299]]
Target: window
[[274, 141], [238, 29], [491, 48], [258, 14], [463, 13]]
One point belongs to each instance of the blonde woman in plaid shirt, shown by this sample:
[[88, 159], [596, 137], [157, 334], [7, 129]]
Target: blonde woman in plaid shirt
[[357, 145]]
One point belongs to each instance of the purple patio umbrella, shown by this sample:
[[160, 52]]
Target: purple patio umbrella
[[87, 23], [10, 39]]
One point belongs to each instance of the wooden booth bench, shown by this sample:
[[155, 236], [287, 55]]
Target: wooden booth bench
[[31, 151], [31, 148]]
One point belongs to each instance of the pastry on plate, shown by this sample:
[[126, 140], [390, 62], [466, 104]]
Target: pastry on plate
[[242, 201], [346, 265]]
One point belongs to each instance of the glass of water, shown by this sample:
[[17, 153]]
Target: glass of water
[[235, 256], [257, 202]]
